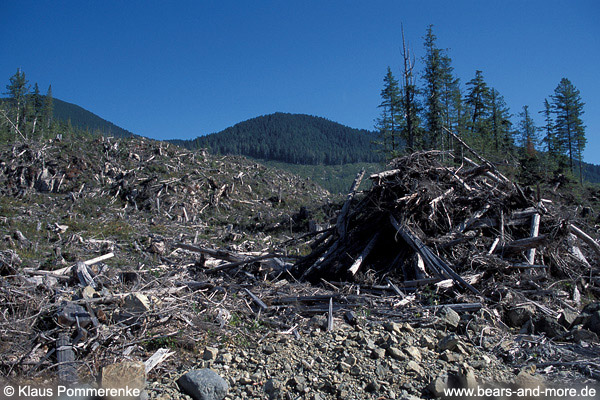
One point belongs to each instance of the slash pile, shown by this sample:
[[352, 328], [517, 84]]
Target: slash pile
[[427, 220]]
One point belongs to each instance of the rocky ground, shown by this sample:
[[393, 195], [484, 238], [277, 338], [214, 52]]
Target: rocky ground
[[195, 273]]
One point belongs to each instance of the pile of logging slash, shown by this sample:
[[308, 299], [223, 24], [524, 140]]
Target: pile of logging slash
[[427, 220]]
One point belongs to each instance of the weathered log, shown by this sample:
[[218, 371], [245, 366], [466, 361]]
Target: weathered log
[[342, 217], [535, 229], [67, 372], [357, 263], [524, 244], [431, 259], [586, 238]]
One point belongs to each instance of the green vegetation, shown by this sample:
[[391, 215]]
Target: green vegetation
[[29, 115], [335, 178], [291, 138], [482, 119]]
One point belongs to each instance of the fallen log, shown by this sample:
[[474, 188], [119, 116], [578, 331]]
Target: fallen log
[[357, 263], [586, 238], [431, 259]]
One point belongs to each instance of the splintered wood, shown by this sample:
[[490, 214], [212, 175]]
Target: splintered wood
[[423, 218]]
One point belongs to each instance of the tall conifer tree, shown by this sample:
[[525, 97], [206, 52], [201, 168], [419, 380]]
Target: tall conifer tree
[[433, 76], [389, 122], [567, 107], [17, 91]]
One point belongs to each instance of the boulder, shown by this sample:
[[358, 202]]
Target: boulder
[[203, 384]]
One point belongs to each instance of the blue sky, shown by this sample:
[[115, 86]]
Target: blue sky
[[181, 69]]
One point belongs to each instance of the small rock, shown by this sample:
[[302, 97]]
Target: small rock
[[414, 353], [269, 349], [396, 354], [567, 318], [203, 384], [413, 366], [448, 342], [438, 385], [449, 317], [127, 374], [272, 388], [584, 335], [593, 323], [210, 354], [224, 358], [377, 353], [136, 303], [393, 327], [516, 317], [372, 387]]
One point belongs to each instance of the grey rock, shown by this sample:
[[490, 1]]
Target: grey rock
[[272, 388], [414, 367], [584, 335], [567, 318], [449, 317], [449, 342], [550, 327], [438, 385], [593, 323], [203, 384], [210, 353], [372, 387], [414, 353], [516, 317], [396, 354], [393, 327]]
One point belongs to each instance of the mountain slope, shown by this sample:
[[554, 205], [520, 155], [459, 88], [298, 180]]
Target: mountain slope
[[86, 120], [291, 138]]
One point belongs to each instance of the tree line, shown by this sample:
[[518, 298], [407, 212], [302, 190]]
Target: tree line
[[416, 117], [26, 113], [291, 138]]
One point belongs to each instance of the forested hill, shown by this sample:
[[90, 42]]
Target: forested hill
[[86, 120], [291, 138]]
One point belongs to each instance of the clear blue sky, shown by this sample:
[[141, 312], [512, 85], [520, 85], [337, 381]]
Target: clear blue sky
[[181, 69]]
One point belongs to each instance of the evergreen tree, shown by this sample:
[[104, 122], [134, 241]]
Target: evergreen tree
[[499, 123], [570, 131], [555, 152], [528, 139], [527, 132], [477, 100], [388, 124], [433, 76], [48, 109], [36, 105], [17, 91], [451, 100]]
